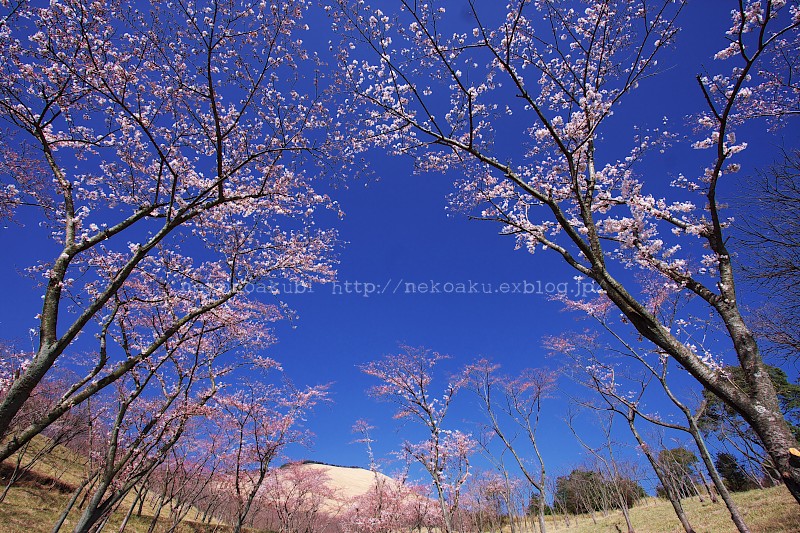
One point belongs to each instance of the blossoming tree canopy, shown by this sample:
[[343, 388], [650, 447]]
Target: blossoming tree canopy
[[167, 147], [545, 76]]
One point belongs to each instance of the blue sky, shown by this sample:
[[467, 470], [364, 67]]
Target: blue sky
[[397, 237], [398, 230]]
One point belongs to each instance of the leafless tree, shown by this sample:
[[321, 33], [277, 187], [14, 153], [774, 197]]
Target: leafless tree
[[771, 237], [605, 458]]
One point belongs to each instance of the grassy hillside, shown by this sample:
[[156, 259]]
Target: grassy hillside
[[33, 505], [34, 509], [765, 511]]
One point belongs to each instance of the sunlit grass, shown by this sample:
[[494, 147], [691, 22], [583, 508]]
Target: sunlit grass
[[35, 510], [765, 511], [33, 507]]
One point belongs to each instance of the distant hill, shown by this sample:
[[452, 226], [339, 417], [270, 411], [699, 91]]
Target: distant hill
[[346, 482]]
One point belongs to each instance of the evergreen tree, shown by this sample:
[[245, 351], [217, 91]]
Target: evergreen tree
[[733, 473]]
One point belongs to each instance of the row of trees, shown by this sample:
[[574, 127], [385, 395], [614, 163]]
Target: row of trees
[[512, 407], [167, 155], [158, 434]]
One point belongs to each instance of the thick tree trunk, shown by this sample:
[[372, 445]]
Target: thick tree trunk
[[763, 411], [94, 510], [758, 404], [777, 439]]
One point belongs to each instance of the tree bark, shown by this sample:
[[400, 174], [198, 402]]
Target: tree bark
[[758, 405]]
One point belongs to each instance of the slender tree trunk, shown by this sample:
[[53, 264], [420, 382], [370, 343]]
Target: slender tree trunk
[[673, 499], [141, 501], [712, 494], [622, 502], [205, 513], [63, 516], [103, 524], [156, 514], [129, 513], [627, 517], [722, 490], [446, 519], [13, 477]]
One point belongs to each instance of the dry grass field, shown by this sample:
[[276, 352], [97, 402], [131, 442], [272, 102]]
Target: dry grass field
[[33, 505], [766, 511], [32, 509]]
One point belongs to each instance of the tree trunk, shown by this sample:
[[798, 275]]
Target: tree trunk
[[128, 515], [770, 426], [542, 526], [103, 524], [627, 516], [156, 514], [712, 493], [722, 490], [446, 520], [673, 499], [15, 475]]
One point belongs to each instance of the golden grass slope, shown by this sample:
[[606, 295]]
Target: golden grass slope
[[33, 507], [765, 511]]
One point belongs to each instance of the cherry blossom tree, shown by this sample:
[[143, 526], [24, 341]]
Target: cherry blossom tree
[[406, 381], [148, 415], [517, 402], [490, 497], [298, 499], [550, 73], [375, 506], [258, 421], [392, 505], [164, 147], [184, 477]]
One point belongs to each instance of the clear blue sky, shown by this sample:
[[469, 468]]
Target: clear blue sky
[[397, 229]]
